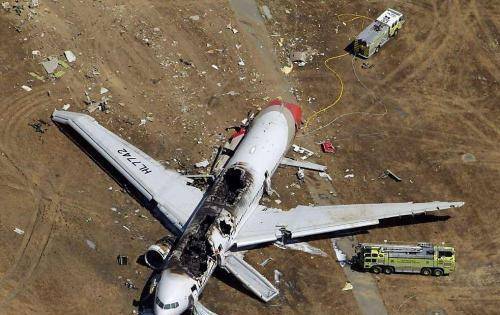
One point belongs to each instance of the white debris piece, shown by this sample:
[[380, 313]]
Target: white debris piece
[[277, 276], [232, 93], [325, 175], [66, 106], [103, 90], [34, 4], [307, 248], [277, 201], [241, 62], [194, 17], [202, 164], [215, 67], [50, 65], [307, 153], [231, 28], [90, 244], [349, 176], [35, 52], [266, 12], [265, 261], [300, 174], [19, 231], [347, 287], [341, 257], [287, 69], [26, 88], [70, 56]]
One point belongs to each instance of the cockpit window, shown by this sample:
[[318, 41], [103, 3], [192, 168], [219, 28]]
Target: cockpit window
[[166, 306]]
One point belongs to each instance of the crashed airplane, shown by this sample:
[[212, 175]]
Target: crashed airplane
[[210, 226]]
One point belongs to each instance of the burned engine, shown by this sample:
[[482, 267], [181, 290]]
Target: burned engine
[[156, 255]]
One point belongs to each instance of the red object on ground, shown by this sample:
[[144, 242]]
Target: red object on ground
[[328, 147]]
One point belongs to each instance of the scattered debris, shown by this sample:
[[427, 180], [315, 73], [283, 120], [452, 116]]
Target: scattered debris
[[277, 201], [129, 284], [37, 76], [93, 105], [341, 257], [33, 4], [231, 28], [468, 158], [202, 164], [300, 174], [50, 65], [6, 6], [303, 247], [70, 56], [301, 58], [287, 69], [39, 125], [232, 93], [66, 106], [26, 88], [215, 67], [103, 90], [266, 13], [347, 287], [307, 153], [265, 261], [325, 175], [349, 176], [327, 147], [35, 52], [389, 173], [122, 260], [19, 231], [90, 244], [277, 276], [194, 17], [366, 65]]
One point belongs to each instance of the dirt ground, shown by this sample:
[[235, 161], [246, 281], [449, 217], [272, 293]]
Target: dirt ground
[[430, 97]]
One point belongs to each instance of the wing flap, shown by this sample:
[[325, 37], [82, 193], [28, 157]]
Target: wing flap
[[270, 224], [250, 277], [169, 189]]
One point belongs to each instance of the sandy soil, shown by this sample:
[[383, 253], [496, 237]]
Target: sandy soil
[[436, 84]]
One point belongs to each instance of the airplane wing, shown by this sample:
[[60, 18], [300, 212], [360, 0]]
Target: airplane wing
[[175, 199], [270, 224]]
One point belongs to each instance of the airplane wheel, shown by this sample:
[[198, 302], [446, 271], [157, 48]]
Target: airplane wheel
[[438, 272], [376, 269], [388, 270], [426, 271]]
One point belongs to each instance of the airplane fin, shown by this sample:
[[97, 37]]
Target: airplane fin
[[250, 277]]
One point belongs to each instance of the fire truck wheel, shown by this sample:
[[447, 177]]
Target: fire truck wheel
[[388, 270], [426, 271], [395, 33], [438, 272], [377, 49], [376, 269]]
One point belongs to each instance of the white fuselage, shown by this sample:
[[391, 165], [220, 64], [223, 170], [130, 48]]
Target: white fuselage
[[232, 198]]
